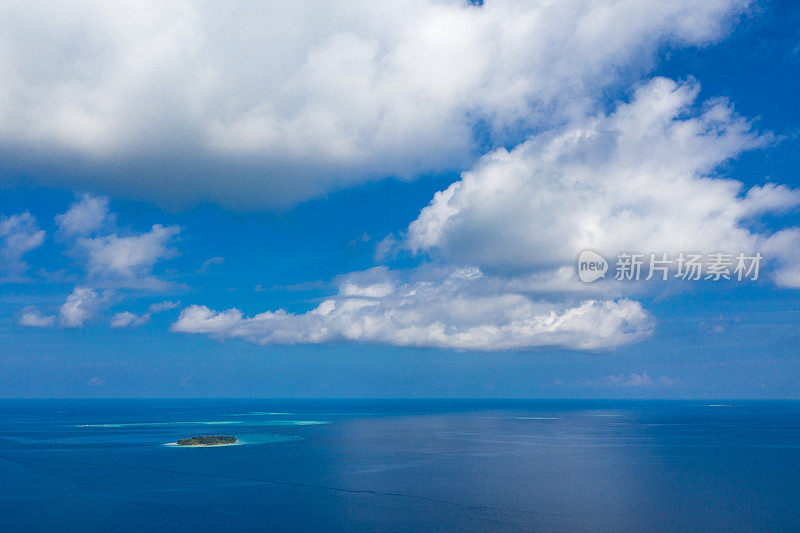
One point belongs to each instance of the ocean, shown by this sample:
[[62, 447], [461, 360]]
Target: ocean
[[400, 465]]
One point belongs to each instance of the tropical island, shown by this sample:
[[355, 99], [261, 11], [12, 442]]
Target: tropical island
[[211, 440]]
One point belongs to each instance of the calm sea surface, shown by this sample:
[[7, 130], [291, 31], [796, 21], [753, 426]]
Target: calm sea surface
[[376, 465]]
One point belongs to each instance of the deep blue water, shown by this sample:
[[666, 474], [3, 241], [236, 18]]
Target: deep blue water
[[335, 465]]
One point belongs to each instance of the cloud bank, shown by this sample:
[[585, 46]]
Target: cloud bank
[[455, 312], [192, 101], [642, 380]]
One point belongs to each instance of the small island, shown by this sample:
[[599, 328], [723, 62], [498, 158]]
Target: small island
[[211, 440]]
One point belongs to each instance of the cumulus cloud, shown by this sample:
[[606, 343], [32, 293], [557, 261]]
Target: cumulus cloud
[[81, 306], [506, 235], [121, 96], [455, 312], [642, 178], [111, 257], [336, 96], [19, 234], [31, 317], [785, 246]]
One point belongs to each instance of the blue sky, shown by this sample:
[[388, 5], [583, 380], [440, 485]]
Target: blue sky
[[316, 189]]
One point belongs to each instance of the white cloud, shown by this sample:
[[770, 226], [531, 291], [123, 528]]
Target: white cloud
[[785, 246], [31, 317], [160, 307], [459, 311], [81, 306], [506, 235], [640, 179], [331, 95], [127, 319], [208, 263], [129, 260], [335, 96], [642, 380], [19, 234], [112, 258], [87, 215]]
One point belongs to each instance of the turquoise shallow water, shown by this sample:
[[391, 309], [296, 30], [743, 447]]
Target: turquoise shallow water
[[215, 423], [335, 465]]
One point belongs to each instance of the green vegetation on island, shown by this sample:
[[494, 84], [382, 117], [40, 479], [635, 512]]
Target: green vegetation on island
[[211, 440]]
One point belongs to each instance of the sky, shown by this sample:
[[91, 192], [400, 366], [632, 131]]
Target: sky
[[389, 200]]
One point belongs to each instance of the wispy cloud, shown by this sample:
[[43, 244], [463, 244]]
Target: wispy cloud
[[127, 319], [86, 216], [210, 262], [635, 380], [31, 317], [128, 261], [19, 234], [110, 257]]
